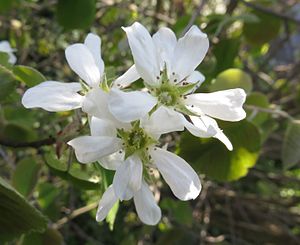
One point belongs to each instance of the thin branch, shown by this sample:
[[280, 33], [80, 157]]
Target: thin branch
[[74, 214], [33, 144], [270, 11], [194, 16], [270, 111]]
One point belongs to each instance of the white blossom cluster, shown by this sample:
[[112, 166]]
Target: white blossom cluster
[[126, 124]]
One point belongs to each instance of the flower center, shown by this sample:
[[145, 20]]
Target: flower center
[[136, 141], [167, 94]]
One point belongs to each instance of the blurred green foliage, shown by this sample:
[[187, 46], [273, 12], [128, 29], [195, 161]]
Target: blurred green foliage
[[250, 195]]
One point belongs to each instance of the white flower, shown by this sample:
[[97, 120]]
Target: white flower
[[6, 48], [127, 150], [85, 60], [146, 207], [167, 66]]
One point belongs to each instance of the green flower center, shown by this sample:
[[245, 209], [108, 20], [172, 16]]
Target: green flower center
[[167, 94], [136, 141]]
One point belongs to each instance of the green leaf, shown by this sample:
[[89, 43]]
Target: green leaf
[[260, 100], [13, 132], [232, 78], [262, 31], [28, 75], [17, 216], [225, 52], [291, 145], [6, 5], [211, 157], [181, 211], [25, 176], [4, 58], [7, 82], [76, 14], [112, 214], [49, 237], [83, 176]]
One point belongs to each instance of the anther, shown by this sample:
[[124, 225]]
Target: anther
[[175, 80], [173, 73]]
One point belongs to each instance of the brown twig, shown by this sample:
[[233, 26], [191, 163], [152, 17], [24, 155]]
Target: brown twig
[[33, 144]]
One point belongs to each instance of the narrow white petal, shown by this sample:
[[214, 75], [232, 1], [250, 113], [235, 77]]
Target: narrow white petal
[[128, 178], [112, 161], [92, 148], [199, 129], [225, 105], [82, 62], [93, 43], [53, 96], [143, 52], [205, 122], [106, 203], [189, 52], [162, 121], [146, 207], [100, 127], [179, 175], [130, 106], [165, 42], [130, 76]]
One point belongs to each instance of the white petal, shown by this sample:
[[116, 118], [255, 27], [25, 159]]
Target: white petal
[[96, 104], [162, 121], [130, 76], [92, 148], [130, 106], [93, 43], [179, 175], [225, 105], [195, 77], [143, 52], [6, 48], [112, 161], [146, 207], [128, 178], [189, 52], [53, 96], [199, 128], [100, 127], [210, 123], [82, 62], [106, 203], [165, 42]]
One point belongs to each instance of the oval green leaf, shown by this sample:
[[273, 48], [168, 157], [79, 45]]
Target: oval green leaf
[[232, 78], [211, 157], [17, 216], [28, 75]]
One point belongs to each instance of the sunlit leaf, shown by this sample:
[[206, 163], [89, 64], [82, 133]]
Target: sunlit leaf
[[232, 78], [211, 157], [28, 75]]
